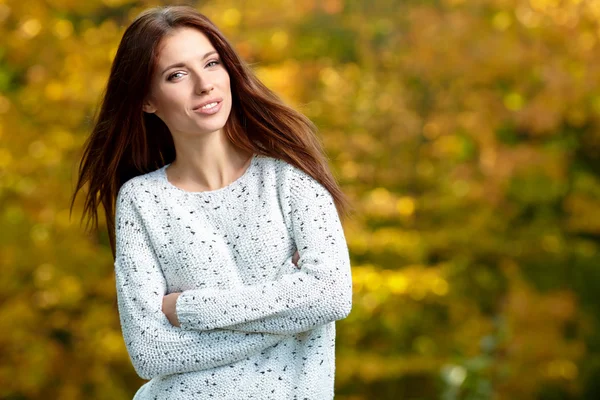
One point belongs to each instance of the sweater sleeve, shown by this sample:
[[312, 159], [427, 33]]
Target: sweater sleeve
[[156, 347], [318, 292]]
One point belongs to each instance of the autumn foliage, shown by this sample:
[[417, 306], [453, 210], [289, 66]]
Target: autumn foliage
[[466, 133]]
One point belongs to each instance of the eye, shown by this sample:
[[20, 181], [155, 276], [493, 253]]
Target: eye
[[174, 75], [213, 63]]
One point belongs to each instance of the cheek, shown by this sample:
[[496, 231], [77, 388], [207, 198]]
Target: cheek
[[228, 84], [223, 81], [172, 98]]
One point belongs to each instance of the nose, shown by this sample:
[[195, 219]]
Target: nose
[[203, 84]]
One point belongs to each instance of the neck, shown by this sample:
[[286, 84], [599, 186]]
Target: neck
[[206, 163]]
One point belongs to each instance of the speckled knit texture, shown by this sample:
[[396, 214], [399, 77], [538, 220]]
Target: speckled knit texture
[[253, 324]]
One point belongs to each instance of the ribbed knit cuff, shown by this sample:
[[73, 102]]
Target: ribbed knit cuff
[[192, 310]]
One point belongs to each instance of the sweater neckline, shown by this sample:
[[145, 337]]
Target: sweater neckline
[[228, 187]]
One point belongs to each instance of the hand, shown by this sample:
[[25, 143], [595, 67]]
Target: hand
[[295, 258], [168, 308]]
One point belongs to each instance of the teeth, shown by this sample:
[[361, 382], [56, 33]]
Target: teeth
[[211, 105]]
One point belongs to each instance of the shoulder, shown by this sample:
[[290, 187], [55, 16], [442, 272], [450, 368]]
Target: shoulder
[[139, 187], [282, 169], [272, 164], [295, 182]]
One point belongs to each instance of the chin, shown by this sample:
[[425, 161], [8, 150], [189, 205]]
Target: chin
[[206, 130]]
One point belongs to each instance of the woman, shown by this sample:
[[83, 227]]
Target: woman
[[216, 186]]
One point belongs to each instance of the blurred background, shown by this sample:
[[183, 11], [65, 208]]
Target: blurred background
[[466, 133]]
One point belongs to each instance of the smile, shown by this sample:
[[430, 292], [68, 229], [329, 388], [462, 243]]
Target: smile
[[211, 105], [210, 108]]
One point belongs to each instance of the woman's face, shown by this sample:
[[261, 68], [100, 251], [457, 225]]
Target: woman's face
[[190, 88]]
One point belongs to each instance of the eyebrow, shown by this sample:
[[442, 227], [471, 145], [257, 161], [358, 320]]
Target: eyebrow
[[180, 64]]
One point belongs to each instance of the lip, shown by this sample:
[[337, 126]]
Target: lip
[[217, 100], [209, 111]]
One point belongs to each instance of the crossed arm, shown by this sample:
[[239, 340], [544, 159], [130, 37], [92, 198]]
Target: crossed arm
[[170, 301], [220, 327], [318, 292]]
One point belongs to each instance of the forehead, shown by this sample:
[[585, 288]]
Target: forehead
[[181, 44]]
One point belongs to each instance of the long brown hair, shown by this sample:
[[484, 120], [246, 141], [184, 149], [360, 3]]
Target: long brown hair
[[126, 142]]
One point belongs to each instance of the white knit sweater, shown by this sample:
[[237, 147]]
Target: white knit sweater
[[253, 325]]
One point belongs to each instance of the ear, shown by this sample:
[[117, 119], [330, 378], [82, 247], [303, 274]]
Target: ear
[[148, 107]]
